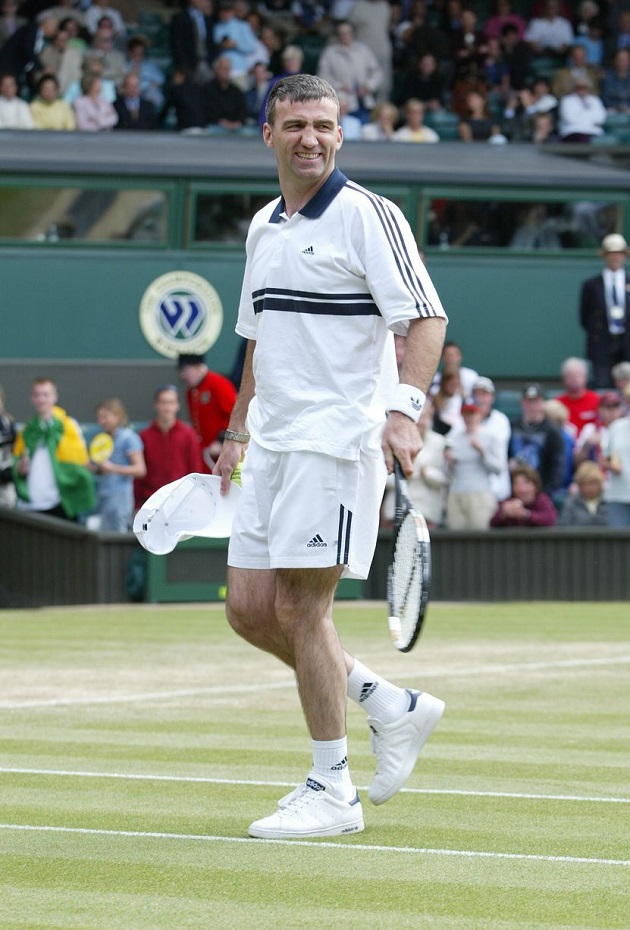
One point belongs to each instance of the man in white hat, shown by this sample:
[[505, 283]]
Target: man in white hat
[[605, 312]]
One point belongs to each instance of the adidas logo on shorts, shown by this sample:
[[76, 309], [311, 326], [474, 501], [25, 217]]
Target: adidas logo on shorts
[[316, 543]]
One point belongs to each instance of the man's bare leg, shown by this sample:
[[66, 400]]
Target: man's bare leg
[[304, 601], [395, 714]]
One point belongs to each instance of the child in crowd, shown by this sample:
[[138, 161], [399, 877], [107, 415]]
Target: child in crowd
[[116, 473], [587, 507]]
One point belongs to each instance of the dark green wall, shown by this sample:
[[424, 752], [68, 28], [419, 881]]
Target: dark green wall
[[73, 314]]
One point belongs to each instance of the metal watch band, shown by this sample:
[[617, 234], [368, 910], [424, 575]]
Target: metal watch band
[[236, 437]]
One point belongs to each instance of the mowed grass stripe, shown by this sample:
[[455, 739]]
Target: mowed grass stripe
[[363, 847], [200, 779], [534, 729]]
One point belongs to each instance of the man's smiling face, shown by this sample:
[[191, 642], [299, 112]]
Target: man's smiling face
[[305, 137]]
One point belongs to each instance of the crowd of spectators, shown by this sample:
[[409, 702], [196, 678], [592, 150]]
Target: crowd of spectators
[[101, 474], [405, 70], [565, 460]]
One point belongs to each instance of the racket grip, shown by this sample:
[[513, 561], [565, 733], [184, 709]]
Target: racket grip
[[395, 629]]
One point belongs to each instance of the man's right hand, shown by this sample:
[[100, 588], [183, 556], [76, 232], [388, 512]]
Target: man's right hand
[[231, 455]]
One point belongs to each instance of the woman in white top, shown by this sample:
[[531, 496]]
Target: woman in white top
[[15, 113], [382, 125]]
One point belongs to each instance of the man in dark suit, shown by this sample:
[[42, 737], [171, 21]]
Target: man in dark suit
[[19, 55], [225, 103], [192, 42], [134, 112], [605, 312]]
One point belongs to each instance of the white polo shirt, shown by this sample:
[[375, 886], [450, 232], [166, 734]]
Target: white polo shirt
[[323, 292]]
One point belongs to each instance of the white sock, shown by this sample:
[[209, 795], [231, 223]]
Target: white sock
[[378, 697], [330, 759]]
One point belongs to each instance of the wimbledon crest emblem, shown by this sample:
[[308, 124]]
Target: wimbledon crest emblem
[[180, 312]]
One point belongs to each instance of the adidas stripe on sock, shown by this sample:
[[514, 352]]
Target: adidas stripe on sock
[[330, 759], [378, 697]]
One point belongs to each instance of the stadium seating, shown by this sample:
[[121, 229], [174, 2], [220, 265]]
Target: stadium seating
[[445, 123]]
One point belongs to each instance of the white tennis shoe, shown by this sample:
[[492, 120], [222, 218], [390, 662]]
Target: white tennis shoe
[[397, 745], [312, 809]]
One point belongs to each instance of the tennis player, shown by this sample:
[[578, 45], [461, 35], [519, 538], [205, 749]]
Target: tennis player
[[332, 273]]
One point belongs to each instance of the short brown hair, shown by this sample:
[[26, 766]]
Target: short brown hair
[[526, 471], [299, 88]]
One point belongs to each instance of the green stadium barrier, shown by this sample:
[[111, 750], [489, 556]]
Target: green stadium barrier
[[196, 571]]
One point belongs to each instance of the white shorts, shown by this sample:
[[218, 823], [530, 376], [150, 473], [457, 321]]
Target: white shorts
[[307, 510]]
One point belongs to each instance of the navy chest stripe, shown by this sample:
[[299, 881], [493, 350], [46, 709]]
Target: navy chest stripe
[[359, 305]]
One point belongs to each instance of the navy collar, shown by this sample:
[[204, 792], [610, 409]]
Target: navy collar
[[320, 201]]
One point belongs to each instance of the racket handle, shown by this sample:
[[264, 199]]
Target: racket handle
[[395, 629]]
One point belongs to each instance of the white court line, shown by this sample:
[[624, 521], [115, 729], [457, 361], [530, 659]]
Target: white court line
[[450, 672], [200, 779], [347, 848], [148, 695]]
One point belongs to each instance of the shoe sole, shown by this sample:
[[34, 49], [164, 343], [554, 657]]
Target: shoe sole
[[433, 713], [355, 826]]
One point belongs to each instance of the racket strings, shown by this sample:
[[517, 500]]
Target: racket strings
[[408, 575]]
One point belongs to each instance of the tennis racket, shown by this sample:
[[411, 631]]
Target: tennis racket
[[101, 448], [409, 571]]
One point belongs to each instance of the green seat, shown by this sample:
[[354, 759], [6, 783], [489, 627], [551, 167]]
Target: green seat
[[445, 123], [607, 138], [508, 401], [617, 121], [448, 133], [543, 66]]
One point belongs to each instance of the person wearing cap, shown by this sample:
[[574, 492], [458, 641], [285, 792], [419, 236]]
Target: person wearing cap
[[210, 398], [536, 442], [582, 114], [605, 312], [496, 424], [580, 401], [472, 457]]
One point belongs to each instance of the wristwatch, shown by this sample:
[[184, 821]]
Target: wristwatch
[[236, 437]]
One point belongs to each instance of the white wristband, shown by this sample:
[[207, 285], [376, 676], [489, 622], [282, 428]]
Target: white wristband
[[409, 400]]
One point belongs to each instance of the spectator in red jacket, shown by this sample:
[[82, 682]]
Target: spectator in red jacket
[[210, 398], [581, 402], [528, 505], [171, 447]]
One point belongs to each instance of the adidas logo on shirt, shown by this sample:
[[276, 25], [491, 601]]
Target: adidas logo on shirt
[[308, 251], [316, 543]]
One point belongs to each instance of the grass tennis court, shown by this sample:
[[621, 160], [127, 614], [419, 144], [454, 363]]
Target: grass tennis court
[[139, 743]]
